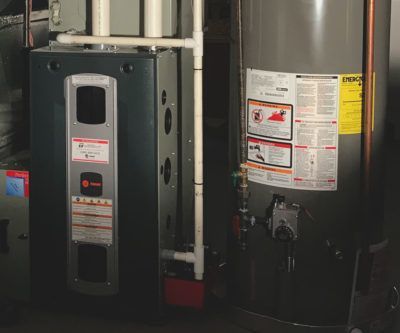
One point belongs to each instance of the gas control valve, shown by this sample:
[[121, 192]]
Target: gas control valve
[[285, 221]]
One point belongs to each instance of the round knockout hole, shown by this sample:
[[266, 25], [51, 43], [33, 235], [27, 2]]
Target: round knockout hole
[[167, 171], [168, 121], [164, 97], [168, 222], [53, 66], [127, 68]]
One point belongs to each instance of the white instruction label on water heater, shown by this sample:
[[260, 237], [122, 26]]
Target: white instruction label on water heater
[[92, 220], [292, 128]]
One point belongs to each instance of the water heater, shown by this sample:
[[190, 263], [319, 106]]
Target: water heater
[[304, 259]]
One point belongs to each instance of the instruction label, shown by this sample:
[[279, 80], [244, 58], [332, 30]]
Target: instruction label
[[92, 220], [90, 150], [317, 97], [268, 85], [316, 155], [293, 129], [351, 103]]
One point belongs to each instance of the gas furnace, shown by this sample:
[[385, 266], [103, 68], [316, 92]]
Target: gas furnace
[[104, 175]]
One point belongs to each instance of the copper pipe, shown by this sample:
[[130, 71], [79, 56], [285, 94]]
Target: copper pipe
[[369, 99], [242, 103], [28, 37], [242, 98]]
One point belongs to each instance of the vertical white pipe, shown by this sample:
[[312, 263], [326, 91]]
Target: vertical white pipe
[[198, 15], [198, 171], [153, 18], [198, 139], [101, 13]]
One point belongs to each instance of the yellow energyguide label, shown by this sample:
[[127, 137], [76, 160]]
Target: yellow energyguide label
[[351, 103]]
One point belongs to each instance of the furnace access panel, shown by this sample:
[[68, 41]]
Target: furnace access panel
[[104, 174]]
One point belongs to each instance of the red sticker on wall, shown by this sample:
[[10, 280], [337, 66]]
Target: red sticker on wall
[[17, 183]]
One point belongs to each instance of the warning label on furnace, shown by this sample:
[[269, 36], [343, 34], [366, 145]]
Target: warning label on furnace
[[293, 129], [90, 150], [92, 220]]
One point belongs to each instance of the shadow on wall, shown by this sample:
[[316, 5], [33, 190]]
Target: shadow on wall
[[11, 7], [394, 85], [15, 7], [394, 102]]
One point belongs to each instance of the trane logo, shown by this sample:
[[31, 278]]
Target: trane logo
[[86, 184], [351, 79], [92, 184]]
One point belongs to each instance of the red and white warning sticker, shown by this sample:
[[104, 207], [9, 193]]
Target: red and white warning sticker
[[271, 120], [90, 150], [270, 152], [92, 220]]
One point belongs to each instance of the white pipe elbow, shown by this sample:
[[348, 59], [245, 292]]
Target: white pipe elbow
[[64, 38], [198, 37], [187, 257]]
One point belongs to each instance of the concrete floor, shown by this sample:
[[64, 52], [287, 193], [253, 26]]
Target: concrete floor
[[40, 321]]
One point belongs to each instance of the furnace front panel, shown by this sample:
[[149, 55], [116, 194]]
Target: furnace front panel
[[104, 175]]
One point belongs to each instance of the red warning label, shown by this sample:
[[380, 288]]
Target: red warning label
[[270, 152], [270, 120]]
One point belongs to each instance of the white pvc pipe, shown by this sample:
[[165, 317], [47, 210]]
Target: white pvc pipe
[[101, 13], [198, 15], [187, 257], [126, 41], [153, 18], [198, 139]]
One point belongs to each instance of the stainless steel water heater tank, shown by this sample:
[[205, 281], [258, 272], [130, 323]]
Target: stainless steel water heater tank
[[310, 261]]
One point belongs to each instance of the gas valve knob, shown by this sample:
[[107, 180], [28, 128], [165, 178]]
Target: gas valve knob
[[284, 234]]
